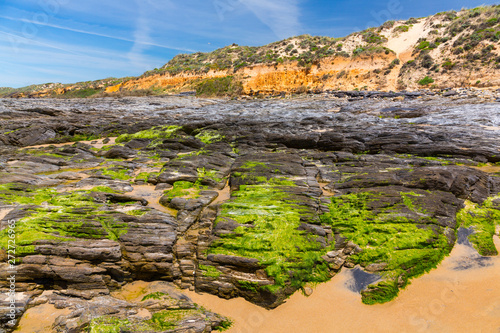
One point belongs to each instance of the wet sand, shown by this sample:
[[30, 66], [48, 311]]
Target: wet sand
[[152, 196], [489, 168], [94, 143], [448, 299], [224, 195], [39, 319], [4, 212], [326, 191]]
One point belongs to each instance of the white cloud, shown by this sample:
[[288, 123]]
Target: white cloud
[[281, 16], [149, 27], [144, 41], [48, 61]]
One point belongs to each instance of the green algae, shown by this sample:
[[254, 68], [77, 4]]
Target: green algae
[[407, 249], [249, 285], [164, 320], [116, 172], [291, 256], [251, 178], [161, 321], [253, 165], [155, 133], [185, 189], [156, 295], [209, 271], [169, 319], [144, 176], [483, 218], [43, 153], [208, 174], [209, 136], [57, 216]]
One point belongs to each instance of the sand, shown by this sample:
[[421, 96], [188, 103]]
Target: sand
[[39, 319], [489, 168], [98, 143], [445, 300], [152, 196]]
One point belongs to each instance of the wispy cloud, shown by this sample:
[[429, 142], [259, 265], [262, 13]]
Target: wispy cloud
[[142, 41], [281, 16], [141, 37], [125, 38]]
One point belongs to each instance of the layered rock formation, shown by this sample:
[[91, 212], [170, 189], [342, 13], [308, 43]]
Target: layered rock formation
[[253, 199]]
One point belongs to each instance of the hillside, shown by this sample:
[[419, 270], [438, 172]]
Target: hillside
[[449, 49]]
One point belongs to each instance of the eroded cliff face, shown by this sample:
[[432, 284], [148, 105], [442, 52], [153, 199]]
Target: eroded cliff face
[[336, 73], [331, 73]]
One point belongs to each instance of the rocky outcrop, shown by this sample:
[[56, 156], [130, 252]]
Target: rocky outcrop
[[251, 199]]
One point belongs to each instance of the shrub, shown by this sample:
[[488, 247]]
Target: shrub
[[427, 61], [402, 28], [426, 80], [341, 74], [358, 51], [223, 86], [492, 22], [373, 37], [448, 65], [423, 45], [387, 25]]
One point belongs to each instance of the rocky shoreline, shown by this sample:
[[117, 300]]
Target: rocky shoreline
[[487, 94], [253, 199]]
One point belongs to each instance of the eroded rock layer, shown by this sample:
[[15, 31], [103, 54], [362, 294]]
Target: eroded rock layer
[[252, 199]]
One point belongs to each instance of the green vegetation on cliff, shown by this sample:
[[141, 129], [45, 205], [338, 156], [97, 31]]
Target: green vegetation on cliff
[[457, 41], [223, 86]]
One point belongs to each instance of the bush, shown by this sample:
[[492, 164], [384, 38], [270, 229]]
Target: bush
[[223, 86], [402, 28], [341, 74], [80, 93], [423, 45], [427, 61], [448, 65], [492, 22], [387, 25], [373, 37], [358, 51], [426, 80]]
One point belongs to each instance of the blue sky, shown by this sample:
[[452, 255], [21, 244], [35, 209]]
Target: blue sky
[[72, 40]]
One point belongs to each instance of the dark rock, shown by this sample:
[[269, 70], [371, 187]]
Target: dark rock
[[138, 143], [450, 93], [119, 152], [248, 263]]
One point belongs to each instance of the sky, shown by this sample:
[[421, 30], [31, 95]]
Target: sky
[[69, 41]]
